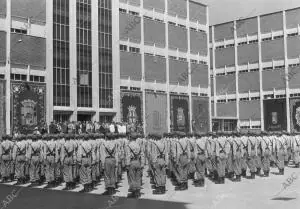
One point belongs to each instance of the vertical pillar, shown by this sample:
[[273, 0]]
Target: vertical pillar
[[49, 60], [28, 71], [189, 69], [286, 70], [143, 69], [236, 76], [214, 69], [95, 60], [262, 122], [8, 67], [73, 59], [116, 59], [209, 80], [167, 67]]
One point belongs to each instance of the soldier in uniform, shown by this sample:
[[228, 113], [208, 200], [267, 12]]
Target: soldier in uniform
[[200, 156], [182, 160], [50, 159], [208, 170], [86, 158], [19, 156], [135, 161], [288, 148], [95, 160], [68, 159], [280, 151], [266, 153], [229, 162], [222, 150], [211, 159], [159, 162], [6, 150], [258, 160], [109, 158], [191, 139], [14, 140], [35, 156], [244, 159], [295, 142], [237, 153], [58, 150], [252, 154]]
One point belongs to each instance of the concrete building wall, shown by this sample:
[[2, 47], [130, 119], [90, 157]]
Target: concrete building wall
[[263, 54]]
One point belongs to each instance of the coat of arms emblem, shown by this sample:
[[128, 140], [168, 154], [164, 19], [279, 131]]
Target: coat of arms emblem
[[28, 112], [274, 118], [297, 116], [180, 117], [132, 116]]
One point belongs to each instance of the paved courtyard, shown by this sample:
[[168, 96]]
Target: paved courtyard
[[259, 193]]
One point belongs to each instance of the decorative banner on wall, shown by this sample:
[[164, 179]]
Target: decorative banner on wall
[[295, 114], [156, 113], [28, 106], [2, 108], [200, 114], [275, 115], [180, 113], [131, 107]]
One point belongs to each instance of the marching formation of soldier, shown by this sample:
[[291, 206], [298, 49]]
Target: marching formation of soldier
[[87, 158]]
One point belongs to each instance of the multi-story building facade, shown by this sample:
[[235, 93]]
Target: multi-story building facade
[[141, 61], [164, 64], [255, 72]]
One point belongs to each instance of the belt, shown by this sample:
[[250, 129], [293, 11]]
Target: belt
[[134, 158], [51, 155], [86, 156]]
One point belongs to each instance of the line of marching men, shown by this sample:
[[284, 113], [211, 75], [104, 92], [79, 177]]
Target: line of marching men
[[88, 158]]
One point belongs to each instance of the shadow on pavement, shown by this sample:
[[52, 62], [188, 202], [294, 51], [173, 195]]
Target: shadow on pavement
[[33, 198], [284, 198]]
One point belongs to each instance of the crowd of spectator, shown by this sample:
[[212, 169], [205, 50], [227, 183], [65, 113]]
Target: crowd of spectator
[[81, 127]]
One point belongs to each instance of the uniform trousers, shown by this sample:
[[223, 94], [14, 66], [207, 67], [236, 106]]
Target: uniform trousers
[[50, 168], [20, 166], [159, 172], [182, 169], [221, 164], [34, 169], [5, 166], [266, 159], [134, 175], [85, 171], [67, 170], [200, 165], [110, 177], [237, 163]]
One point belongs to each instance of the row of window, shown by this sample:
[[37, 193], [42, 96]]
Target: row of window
[[137, 50], [248, 127], [20, 31], [240, 99], [158, 20], [137, 14], [257, 69], [255, 41], [22, 77]]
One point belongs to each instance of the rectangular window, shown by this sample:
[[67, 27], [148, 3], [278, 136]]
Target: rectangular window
[[253, 41], [123, 47], [20, 31], [182, 59], [194, 61], [134, 50], [122, 10], [134, 13]]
